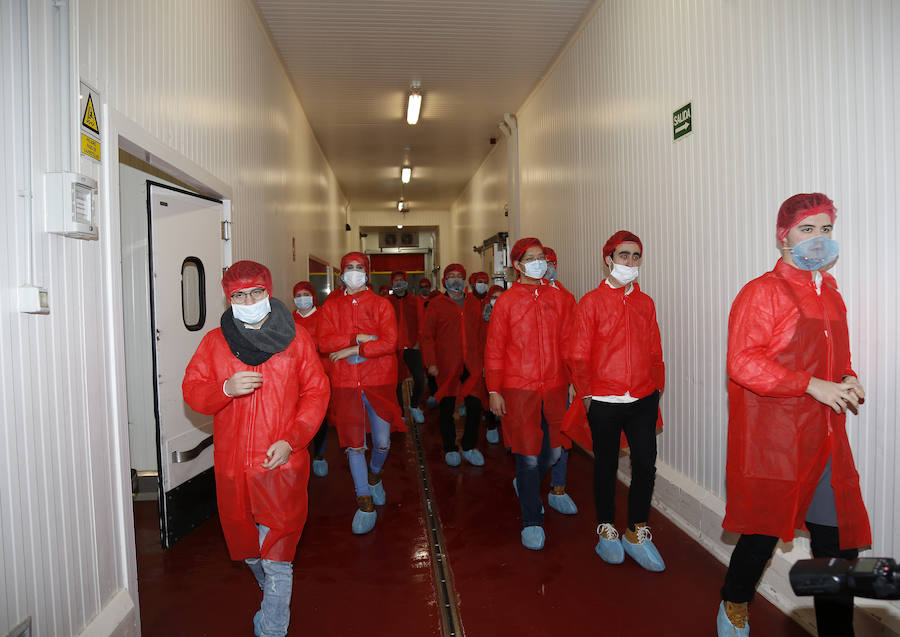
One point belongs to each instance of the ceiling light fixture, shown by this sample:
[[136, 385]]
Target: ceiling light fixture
[[405, 174], [413, 106], [399, 226], [400, 205]]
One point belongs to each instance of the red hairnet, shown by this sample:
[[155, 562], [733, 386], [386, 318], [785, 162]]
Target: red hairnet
[[495, 288], [399, 273], [355, 256], [518, 250], [478, 276], [550, 255], [423, 282], [797, 208], [306, 285], [622, 236], [453, 267], [246, 274]]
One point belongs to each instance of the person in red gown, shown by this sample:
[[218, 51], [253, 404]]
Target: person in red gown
[[410, 311]]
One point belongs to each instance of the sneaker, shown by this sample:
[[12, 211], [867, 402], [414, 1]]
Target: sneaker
[[417, 414], [493, 436], [452, 458], [638, 544], [609, 548], [533, 537], [379, 497], [364, 519], [320, 467], [561, 501], [473, 457], [733, 620]]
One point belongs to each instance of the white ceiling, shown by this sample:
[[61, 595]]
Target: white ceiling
[[353, 62]]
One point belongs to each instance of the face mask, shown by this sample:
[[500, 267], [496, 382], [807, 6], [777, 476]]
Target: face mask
[[815, 253], [456, 285], [624, 274], [536, 269], [354, 279], [425, 291], [400, 286], [303, 302], [251, 314], [480, 287], [551, 273], [486, 312]]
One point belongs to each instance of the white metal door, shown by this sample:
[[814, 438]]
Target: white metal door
[[185, 268]]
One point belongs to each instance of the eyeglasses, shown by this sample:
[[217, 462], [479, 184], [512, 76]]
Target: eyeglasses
[[255, 294], [530, 259]]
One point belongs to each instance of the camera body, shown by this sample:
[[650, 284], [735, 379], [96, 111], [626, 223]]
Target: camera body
[[874, 577]]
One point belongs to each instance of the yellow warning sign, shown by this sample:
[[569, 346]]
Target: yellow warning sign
[[90, 147], [90, 116]]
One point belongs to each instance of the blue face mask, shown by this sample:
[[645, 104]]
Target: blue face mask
[[400, 286], [456, 285], [303, 302], [815, 253], [251, 314]]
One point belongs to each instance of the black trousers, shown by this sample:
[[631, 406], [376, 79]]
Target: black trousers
[[448, 426], [834, 613], [638, 420], [321, 437], [413, 360]]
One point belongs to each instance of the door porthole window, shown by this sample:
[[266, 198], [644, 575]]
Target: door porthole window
[[193, 294]]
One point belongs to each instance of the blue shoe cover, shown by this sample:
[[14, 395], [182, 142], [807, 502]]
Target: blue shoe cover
[[474, 457], [462, 411], [363, 522], [431, 403], [417, 414], [493, 436], [533, 537], [644, 552], [379, 497], [610, 551], [452, 458], [320, 467], [724, 627], [562, 503]]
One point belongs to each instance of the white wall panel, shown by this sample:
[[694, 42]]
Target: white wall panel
[[787, 97], [202, 79], [478, 212]]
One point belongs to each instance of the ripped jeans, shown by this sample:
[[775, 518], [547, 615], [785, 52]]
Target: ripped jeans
[[381, 444], [276, 580]]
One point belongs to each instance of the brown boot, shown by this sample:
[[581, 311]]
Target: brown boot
[[738, 614], [365, 503]]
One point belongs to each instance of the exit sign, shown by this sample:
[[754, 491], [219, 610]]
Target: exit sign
[[681, 122]]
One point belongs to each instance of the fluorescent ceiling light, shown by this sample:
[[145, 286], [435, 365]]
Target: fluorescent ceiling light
[[400, 205], [399, 226], [405, 174], [413, 107]]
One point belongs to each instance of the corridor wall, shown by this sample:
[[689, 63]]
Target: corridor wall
[[478, 212], [787, 97], [202, 79]]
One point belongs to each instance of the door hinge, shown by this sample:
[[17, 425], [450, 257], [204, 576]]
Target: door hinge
[[226, 231]]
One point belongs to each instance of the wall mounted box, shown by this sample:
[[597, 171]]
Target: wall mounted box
[[71, 205]]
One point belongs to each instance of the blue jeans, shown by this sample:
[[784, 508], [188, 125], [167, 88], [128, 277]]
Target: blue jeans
[[558, 473], [530, 470], [381, 444], [276, 579]]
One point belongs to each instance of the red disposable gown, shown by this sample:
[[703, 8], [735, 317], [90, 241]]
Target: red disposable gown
[[781, 333], [343, 318], [288, 406], [523, 362], [615, 348], [410, 312], [476, 335], [443, 344], [310, 323]]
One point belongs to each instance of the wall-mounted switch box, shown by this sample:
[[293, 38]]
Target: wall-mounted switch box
[[33, 300], [71, 205]]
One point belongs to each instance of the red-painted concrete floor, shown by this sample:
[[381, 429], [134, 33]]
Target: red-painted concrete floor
[[381, 584]]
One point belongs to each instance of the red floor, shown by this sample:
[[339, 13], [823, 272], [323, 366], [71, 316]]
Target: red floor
[[381, 583]]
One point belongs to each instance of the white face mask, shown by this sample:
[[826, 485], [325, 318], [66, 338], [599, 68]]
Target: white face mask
[[536, 269], [480, 287], [624, 274], [354, 279], [251, 314], [303, 303]]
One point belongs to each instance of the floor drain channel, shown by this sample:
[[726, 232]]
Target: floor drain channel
[[450, 623]]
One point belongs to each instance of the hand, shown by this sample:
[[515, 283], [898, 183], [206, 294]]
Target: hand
[[857, 387], [243, 383], [572, 393], [498, 405], [432, 370], [839, 396], [364, 338], [587, 403], [277, 455], [343, 353]]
